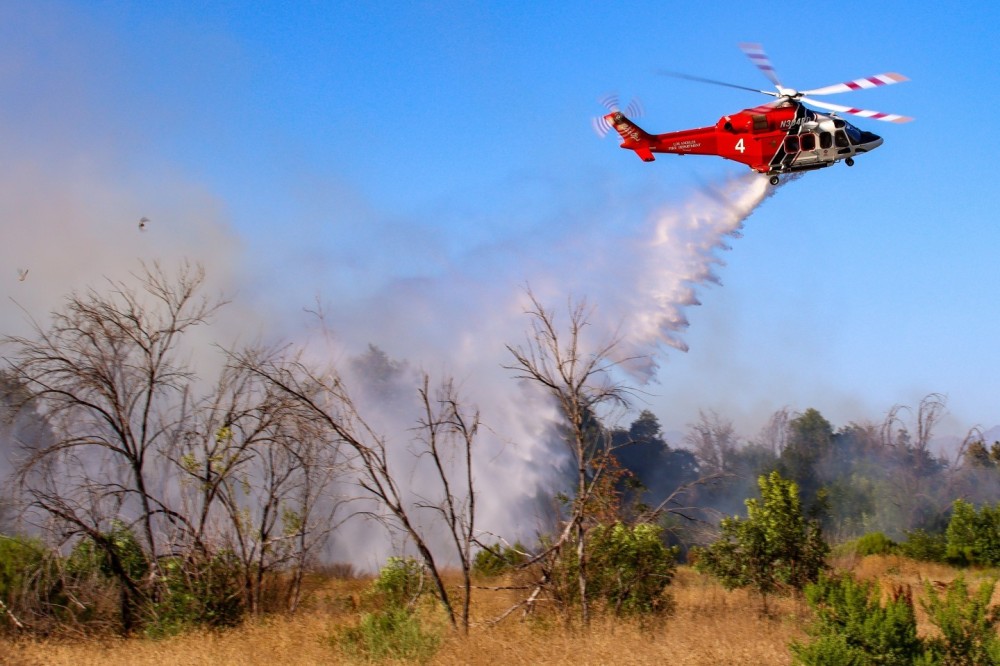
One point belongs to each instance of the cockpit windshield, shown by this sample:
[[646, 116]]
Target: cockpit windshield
[[860, 137], [853, 133]]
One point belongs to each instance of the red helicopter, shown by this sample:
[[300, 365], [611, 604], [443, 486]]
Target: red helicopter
[[779, 137]]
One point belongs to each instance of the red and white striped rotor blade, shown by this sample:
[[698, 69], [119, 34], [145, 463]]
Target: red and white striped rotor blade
[[864, 113], [859, 84], [757, 56]]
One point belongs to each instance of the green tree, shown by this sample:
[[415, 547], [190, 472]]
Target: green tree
[[810, 440], [977, 455], [973, 537], [656, 471], [774, 548]]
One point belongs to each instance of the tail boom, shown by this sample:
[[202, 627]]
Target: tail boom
[[700, 141]]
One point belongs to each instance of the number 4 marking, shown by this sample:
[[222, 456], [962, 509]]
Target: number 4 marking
[[739, 146]]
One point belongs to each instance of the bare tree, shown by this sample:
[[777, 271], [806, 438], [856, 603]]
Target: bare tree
[[774, 435], [106, 377], [445, 430], [713, 441], [930, 412], [916, 491], [132, 455], [892, 432], [448, 431], [253, 471], [582, 386]]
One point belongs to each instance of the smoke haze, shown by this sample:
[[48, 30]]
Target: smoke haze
[[70, 224], [457, 323], [70, 220]]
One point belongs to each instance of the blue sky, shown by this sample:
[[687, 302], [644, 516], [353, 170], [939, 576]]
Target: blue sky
[[347, 151]]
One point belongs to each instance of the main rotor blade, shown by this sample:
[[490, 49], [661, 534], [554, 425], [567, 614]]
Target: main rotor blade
[[678, 75], [864, 113], [857, 84], [757, 56]]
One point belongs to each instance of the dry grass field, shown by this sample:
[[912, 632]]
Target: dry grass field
[[709, 626]]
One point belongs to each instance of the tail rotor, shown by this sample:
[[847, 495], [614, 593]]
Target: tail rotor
[[611, 102]]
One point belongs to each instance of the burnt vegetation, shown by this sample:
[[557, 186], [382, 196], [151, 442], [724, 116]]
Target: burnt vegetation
[[142, 495]]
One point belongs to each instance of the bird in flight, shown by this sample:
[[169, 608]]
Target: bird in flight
[[142, 223]]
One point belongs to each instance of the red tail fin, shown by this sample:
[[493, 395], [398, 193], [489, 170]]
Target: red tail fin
[[635, 138]]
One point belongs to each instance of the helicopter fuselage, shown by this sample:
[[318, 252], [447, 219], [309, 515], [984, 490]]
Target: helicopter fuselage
[[771, 139]]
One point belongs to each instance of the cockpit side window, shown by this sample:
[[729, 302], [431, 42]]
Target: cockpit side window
[[840, 138]]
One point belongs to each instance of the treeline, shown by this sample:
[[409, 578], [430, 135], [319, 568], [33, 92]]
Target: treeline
[[861, 478]]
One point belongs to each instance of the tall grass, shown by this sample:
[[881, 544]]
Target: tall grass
[[708, 626]]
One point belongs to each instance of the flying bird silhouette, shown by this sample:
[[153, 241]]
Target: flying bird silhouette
[[142, 223], [21, 274]]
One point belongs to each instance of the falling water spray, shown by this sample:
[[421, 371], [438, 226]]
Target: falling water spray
[[679, 253]]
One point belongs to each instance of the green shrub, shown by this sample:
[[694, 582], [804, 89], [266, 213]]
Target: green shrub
[[190, 592], [390, 634], [26, 573], [400, 583], [875, 543], [119, 542], [851, 626], [393, 631], [630, 568], [968, 625], [198, 593], [20, 559]]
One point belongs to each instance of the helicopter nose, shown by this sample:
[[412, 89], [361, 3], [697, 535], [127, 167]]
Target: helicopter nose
[[870, 141]]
